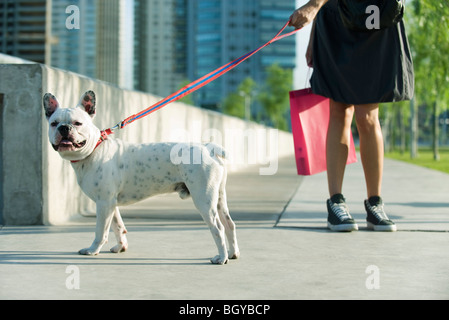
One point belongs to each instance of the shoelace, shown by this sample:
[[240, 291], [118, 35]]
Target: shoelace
[[378, 212], [341, 211]]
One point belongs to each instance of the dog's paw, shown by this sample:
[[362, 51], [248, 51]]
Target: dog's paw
[[88, 252], [119, 248], [234, 255], [219, 260]]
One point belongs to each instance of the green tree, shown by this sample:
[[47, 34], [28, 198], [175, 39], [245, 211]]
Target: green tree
[[428, 26], [188, 99], [238, 103], [274, 96]]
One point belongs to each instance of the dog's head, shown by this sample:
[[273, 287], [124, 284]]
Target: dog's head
[[71, 130]]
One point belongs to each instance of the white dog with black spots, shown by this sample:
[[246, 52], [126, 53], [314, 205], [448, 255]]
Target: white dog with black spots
[[115, 173]]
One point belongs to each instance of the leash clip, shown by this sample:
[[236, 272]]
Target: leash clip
[[104, 134]]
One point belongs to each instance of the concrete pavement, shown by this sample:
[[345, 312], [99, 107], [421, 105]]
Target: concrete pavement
[[286, 251]]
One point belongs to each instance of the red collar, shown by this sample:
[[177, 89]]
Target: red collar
[[103, 136]]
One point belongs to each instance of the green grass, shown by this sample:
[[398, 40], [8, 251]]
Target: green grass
[[424, 159]]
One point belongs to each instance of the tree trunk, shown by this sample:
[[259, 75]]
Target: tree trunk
[[436, 154], [413, 130], [402, 133]]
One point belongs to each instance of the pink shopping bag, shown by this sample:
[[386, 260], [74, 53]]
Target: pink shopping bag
[[310, 120]]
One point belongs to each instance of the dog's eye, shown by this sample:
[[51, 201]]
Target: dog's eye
[[78, 124], [54, 123]]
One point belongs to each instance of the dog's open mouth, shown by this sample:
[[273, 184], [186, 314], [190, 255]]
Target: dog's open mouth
[[68, 145]]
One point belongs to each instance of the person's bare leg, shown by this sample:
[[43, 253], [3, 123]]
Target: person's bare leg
[[337, 144], [372, 154], [371, 146], [337, 149]]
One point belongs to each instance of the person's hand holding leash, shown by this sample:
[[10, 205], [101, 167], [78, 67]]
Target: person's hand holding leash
[[302, 17], [305, 15]]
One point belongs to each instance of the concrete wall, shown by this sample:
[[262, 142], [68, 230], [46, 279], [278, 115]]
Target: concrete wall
[[38, 187]]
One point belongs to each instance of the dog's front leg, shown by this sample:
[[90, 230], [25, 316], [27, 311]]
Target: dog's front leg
[[105, 210], [119, 229]]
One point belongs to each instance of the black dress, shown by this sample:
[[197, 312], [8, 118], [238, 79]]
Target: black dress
[[360, 67]]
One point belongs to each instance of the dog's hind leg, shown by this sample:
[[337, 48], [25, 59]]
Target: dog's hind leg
[[218, 233], [206, 203], [229, 225], [119, 230], [226, 220]]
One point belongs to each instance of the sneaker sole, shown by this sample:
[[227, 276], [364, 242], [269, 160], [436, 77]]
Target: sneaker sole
[[343, 227], [390, 228]]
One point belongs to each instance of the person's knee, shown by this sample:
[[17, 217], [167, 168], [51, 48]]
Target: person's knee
[[367, 120], [341, 112]]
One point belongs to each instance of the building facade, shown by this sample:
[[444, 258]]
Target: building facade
[[154, 46], [220, 31], [160, 41], [182, 40], [114, 42], [22, 29], [90, 37], [74, 36]]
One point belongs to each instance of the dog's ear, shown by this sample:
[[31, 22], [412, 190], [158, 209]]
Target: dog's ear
[[50, 104], [88, 103]]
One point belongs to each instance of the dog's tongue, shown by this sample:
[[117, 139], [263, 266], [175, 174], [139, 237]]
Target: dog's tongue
[[66, 143]]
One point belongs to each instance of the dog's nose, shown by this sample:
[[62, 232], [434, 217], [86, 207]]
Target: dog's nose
[[64, 130]]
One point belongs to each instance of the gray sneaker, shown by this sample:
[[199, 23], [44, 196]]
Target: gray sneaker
[[338, 218]]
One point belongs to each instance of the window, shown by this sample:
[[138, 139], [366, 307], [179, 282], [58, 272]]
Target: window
[[208, 37], [276, 14]]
